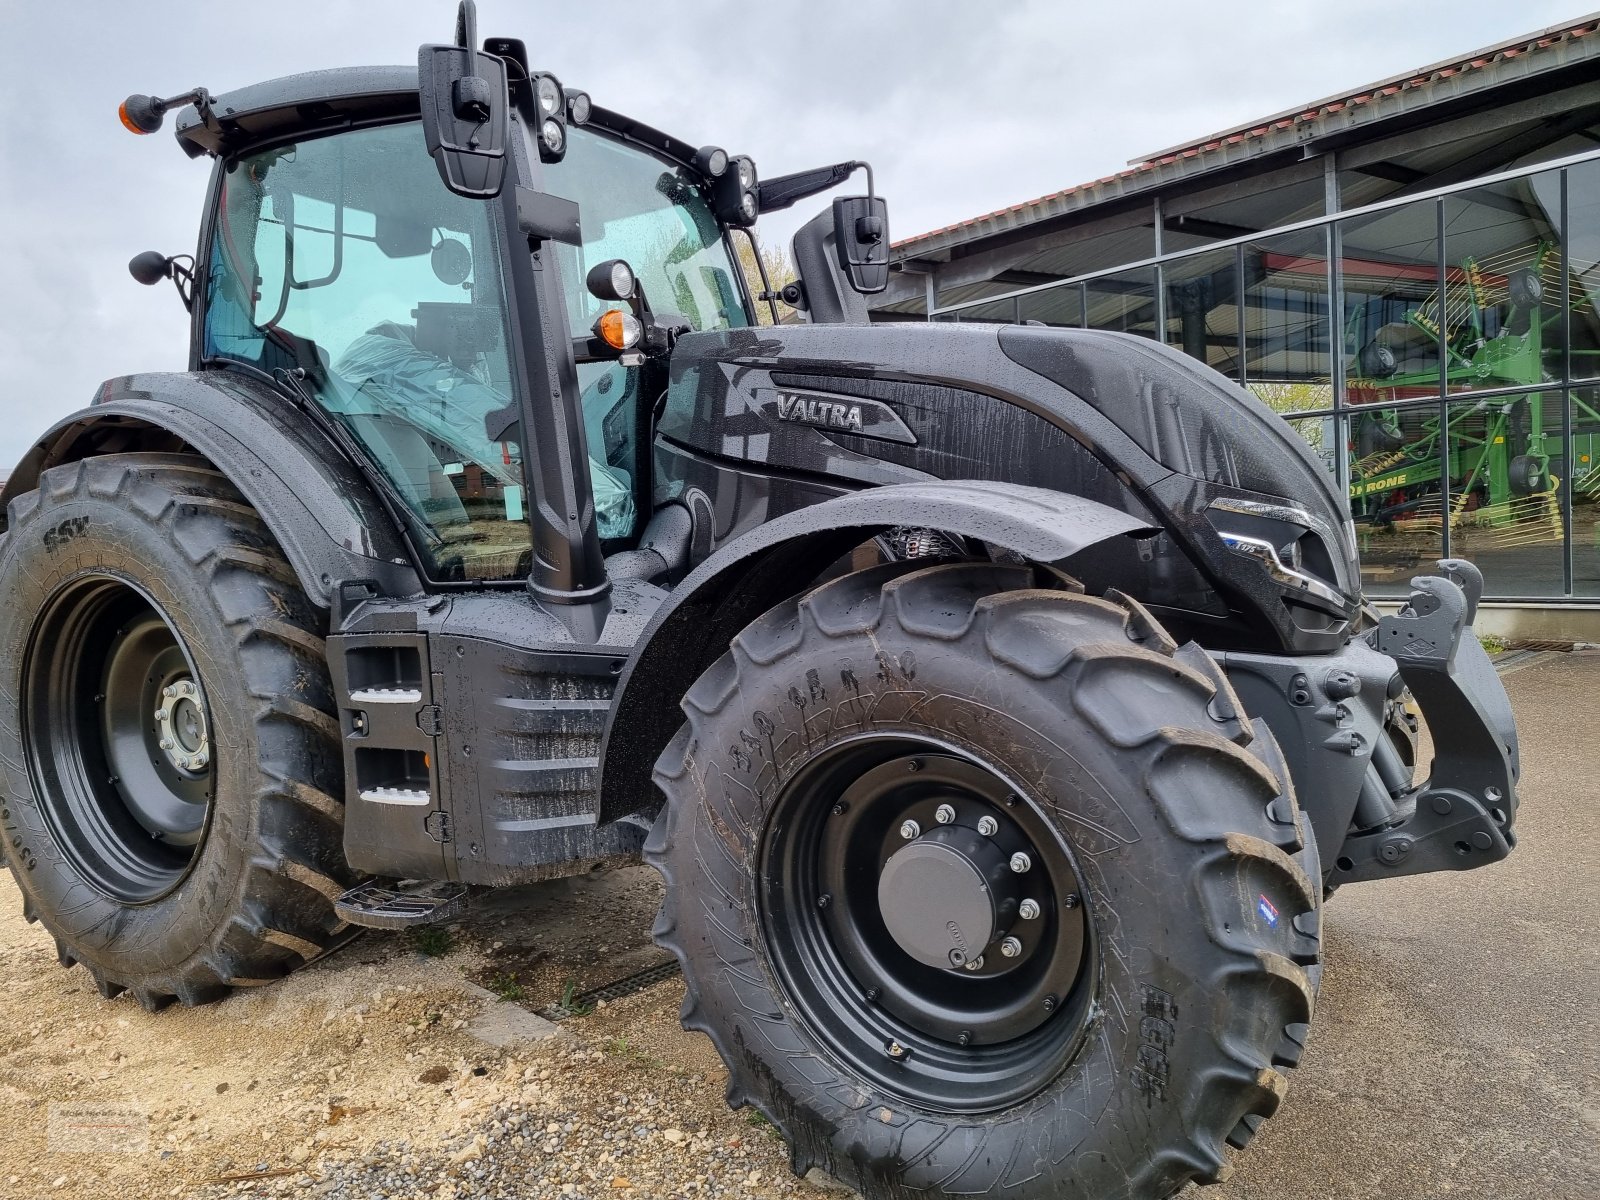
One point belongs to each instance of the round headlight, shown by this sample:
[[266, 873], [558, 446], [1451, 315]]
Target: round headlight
[[549, 92], [747, 174], [621, 279], [747, 206], [578, 107], [554, 137]]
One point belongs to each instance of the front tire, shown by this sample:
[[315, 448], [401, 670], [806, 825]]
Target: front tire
[[1154, 1018], [170, 762]]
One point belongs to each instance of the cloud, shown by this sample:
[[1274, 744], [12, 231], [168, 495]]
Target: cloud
[[962, 107]]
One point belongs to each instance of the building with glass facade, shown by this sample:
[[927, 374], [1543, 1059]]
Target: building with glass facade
[[1408, 273]]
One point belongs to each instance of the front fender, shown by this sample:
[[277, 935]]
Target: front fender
[[752, 573], [318, 505]]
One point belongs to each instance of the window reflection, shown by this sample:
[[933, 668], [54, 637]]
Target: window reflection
[[1203, 308], [1507, 473], [1501, 316], [1390, 263], [1125, 302]]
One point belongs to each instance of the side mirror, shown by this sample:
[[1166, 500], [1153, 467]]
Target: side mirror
[[466, 106], [861, 233]]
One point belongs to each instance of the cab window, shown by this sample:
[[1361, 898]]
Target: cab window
[[640, 208], [346, 256]]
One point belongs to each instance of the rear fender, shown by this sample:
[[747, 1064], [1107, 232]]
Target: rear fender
[[751, 574], [318, 505]]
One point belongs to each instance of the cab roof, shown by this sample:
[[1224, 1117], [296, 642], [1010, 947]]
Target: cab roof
[[318, 101]]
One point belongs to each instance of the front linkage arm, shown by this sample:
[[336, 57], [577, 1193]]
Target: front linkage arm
[[1462, 815]]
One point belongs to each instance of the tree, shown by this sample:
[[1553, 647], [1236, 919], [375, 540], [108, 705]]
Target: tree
[[779, 272]]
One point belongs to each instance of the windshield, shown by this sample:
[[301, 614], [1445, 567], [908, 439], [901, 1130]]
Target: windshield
[[637, 207]]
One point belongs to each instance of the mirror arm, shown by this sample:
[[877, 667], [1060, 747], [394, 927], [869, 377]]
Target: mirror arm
[[775, 195]]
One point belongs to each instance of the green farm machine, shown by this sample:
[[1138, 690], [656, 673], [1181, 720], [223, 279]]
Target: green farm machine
[[1503, 466]]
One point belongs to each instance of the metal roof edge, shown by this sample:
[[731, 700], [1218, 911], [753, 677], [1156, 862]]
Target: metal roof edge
[[1269, 135]]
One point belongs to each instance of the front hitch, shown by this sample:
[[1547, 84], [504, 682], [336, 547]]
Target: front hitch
[[1462, 816]]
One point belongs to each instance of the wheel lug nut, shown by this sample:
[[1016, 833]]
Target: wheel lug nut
[[169, 691], [909, 830], [1011, 947], [1028, 910], [944, 814], [974, 964], [1021, 863], [988, 826], [166, 743]]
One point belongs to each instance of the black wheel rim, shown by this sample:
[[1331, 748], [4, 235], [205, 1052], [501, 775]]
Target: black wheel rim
[[119, 739], [853, 905]]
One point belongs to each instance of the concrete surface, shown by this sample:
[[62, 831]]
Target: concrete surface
[[1456, 1045]]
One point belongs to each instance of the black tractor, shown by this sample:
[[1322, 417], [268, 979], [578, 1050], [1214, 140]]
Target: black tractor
[[998, 703]]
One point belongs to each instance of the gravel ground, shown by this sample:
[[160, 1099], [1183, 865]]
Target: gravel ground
[[1454, 1053]]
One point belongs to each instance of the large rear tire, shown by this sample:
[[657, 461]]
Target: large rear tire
[[860, 772], [171, 767]]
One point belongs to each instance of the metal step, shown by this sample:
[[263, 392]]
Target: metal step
[[400, 905]]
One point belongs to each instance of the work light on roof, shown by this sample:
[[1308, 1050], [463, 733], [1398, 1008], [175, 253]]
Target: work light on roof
[[553, 137], [711, 161], [734, 192], [578, 107], [548, 91], [551, 102]]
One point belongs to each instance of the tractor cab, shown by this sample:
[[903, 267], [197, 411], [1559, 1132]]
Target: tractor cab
[[475, 276]]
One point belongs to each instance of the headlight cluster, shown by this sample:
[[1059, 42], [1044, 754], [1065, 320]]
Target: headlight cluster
[[556, 106], [733, 185], [1299, 551]]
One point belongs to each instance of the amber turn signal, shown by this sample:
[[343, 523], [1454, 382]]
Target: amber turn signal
[[127, 121], [618, 329]]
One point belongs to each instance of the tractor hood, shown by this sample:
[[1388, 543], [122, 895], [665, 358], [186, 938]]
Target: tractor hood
[[1252, 518]]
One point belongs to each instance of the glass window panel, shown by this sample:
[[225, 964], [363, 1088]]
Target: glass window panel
[[1203, 308], [1287, 337], [996, 312], [1581, 478], [1502, 306], [1322, 435], [1125, 302], [1506, 471], [345, 255], [1053, 306], [1396, 495], [1390, 264], [1583, 264]]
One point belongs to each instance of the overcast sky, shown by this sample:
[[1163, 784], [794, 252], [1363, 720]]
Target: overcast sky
[[962, 106]]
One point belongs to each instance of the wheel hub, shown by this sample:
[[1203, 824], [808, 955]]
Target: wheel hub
[[945, 896], [928, 914], [181, 728]]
